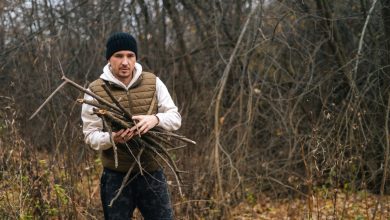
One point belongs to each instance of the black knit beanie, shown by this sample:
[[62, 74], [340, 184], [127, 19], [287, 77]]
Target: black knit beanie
[[120, 41]]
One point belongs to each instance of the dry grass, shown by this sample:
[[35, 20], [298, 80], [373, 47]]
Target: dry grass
[[326, 204]]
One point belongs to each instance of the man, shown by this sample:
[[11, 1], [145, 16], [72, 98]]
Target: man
[[147, 98]]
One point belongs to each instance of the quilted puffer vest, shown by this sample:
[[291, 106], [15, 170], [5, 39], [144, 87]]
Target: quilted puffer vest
[[140, 99]]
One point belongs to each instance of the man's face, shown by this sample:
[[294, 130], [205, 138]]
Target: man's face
[[122, 64]]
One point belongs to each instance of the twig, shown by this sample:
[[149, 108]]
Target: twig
[[62, 70], [48, 99], [178, 179], [161, 139], [140, 167], [101, 100], [117, 103], [5, 97], [105, 124], [137, 159], [125, 179], [287, 186], [100, 106], [164, 151], [176, 148], [359, 53], [111, 117], [176, 136]]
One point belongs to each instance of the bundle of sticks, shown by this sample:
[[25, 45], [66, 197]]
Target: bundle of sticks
[[156, 140]]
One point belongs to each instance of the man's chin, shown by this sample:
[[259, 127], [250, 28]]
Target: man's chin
[[125, 74]]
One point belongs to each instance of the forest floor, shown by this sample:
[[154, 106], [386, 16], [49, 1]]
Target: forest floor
[[324, 204]]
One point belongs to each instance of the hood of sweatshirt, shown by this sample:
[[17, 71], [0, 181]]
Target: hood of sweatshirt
[[109, 76]]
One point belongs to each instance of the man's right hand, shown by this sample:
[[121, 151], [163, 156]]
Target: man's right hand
[[122, 136]]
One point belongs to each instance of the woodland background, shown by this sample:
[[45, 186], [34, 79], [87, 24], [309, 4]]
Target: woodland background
[[288, 102]]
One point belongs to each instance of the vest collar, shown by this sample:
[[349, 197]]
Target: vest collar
[[109, 77], [135, 84]]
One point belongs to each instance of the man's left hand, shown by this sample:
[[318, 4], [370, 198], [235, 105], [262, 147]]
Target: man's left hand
[[144, 123]]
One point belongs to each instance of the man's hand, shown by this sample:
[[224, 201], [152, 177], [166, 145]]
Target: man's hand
[[122, 136], [144, 123]]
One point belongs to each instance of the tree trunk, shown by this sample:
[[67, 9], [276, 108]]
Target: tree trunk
[[386, 60], [174, 14]]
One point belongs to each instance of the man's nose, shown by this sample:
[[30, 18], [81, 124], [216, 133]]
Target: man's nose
[[125, 61]]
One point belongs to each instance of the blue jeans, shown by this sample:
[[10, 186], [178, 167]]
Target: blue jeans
[[149, 193]]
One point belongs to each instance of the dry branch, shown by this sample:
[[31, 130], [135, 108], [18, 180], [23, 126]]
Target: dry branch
[[97, 105], [105, 124], [125, 179], [110, 116], [82, 89], [117, 103], [48, 99], [217, 126], [170, 134]]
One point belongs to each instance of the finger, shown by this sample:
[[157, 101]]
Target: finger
[[119, 139], [137, 126], [117, 134], [144, 129], [129, 134], [125, 133]]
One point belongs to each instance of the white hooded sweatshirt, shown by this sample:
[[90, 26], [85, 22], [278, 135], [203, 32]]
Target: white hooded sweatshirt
[[168, 115]]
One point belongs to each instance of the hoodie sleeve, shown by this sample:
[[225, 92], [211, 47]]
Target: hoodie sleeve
[[170, 118], [93, 128]]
